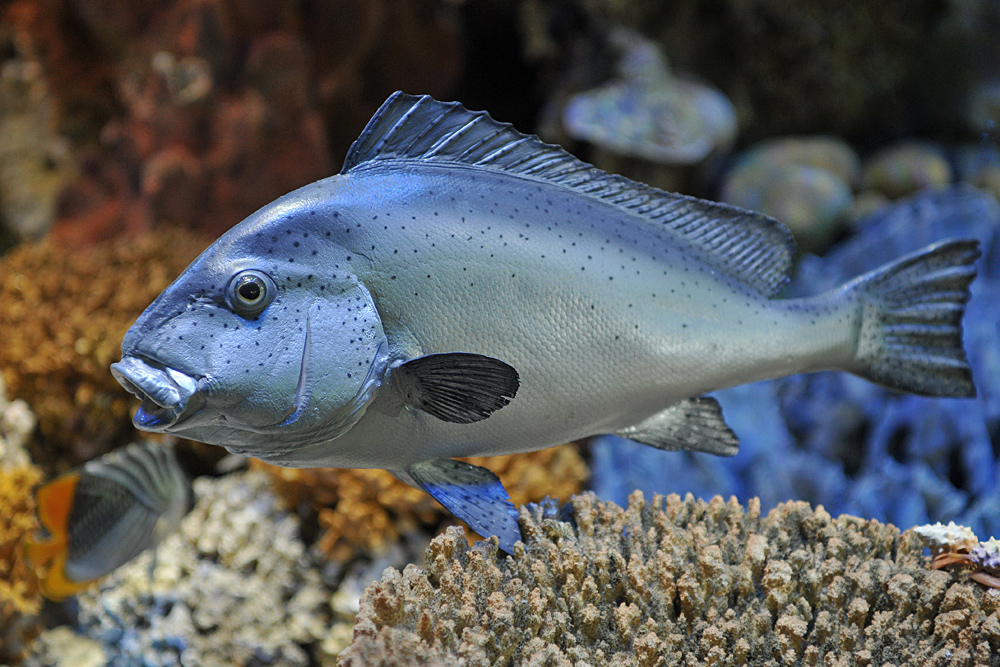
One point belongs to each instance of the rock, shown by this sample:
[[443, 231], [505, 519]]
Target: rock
[[907, 168], [803, 182]]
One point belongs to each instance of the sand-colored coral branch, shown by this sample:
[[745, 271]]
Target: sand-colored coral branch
[[20, 598], [676, 582], [63, 312], [363, 510]]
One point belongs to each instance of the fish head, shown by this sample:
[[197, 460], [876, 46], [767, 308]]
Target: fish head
[[269, 340]]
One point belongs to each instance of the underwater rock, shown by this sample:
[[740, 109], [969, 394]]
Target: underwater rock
[[835, 440], [364, 511], [235, 586], [63, 313], [650, 113], [20, 595], [906, 169], [803, 181], [679, 581]]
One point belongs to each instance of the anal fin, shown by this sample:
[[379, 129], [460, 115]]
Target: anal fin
[[695, 424], [473, 494]]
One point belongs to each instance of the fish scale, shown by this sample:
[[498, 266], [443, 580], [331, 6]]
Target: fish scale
[[461, 289]]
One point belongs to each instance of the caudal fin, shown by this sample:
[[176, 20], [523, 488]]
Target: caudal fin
[[911, 321]]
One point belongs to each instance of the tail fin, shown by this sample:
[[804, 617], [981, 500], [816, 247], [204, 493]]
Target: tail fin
[[911, 321]]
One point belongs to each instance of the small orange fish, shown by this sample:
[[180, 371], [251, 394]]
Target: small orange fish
[[105, 513]]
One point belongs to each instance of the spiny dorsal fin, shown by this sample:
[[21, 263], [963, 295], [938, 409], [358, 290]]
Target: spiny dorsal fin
[[749, 246]]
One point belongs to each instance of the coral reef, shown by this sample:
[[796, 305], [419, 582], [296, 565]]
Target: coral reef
[[838, 441], [198, 113], [63, 312], [234, 587], [20, 596], [362, 511], [679, 582]]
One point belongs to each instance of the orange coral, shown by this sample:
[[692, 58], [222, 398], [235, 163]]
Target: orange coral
[[20, 598], [363, 510], [63, 312]]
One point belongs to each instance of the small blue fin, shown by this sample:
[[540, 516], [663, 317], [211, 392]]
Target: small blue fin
[[457, 387], [406, 129], [473, 494]]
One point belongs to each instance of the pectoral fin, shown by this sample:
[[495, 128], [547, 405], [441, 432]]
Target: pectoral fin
[[473, 494], [694, 423], [457, 387]]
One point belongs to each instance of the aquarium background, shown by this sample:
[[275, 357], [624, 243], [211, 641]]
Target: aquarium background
[[134, 133]]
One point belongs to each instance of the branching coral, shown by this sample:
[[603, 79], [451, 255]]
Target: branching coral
[[20, 598], [63, 312], [679, 582], [235, 586], [363, 510]]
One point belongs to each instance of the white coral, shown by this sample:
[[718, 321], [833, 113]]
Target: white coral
[[953, 537], [17, 422]]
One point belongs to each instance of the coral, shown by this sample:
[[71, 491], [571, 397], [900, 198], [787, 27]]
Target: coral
[[789, 67], [63, 312], [34, 162], [649, 112], [235, 586], [17, 423], [364, 510], [838, 441], [198, 112], [679, 582], [20, 596]]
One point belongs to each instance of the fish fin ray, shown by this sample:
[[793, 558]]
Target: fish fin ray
[[695, 424], [473, 494], [457, 387], [133, 532], [910, 336], [749, 246]]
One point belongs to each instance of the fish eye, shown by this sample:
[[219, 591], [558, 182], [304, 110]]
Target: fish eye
[[250, 292]]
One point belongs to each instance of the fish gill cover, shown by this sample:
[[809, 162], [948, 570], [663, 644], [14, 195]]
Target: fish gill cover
[[837, 441]]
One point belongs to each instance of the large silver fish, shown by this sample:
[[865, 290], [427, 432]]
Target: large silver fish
[[462, 289]]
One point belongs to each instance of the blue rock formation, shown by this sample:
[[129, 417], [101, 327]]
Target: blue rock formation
[[839, 441]]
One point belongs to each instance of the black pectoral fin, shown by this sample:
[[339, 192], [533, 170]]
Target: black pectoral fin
[[695, 424], [457, 387], [473, 494]]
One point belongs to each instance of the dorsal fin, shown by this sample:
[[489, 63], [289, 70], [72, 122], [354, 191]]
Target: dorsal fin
[[749, 246]]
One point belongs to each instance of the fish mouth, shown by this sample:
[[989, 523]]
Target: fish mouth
[[168, 396]]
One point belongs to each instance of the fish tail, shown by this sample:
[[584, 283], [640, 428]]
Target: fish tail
[[910, 334]]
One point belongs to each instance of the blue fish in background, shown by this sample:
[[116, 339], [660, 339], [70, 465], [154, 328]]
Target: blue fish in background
[[846, 444], [461, 289]]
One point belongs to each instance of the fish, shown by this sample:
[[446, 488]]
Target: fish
[[101, 515], [461, 289]]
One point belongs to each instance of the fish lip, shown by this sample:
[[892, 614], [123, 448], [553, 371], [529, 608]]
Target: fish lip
[[168, 396]]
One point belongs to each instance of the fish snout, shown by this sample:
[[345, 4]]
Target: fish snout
[[168, 395]]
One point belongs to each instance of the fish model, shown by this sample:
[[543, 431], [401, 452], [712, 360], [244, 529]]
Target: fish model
[[105, 513], [461, 289]]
